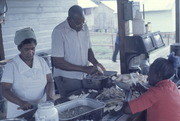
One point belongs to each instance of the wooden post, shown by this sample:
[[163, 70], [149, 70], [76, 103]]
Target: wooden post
[[177, 21], [122, 28], [1, 45]]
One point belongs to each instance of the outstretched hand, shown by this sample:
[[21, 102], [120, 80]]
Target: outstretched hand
[[139, 87]]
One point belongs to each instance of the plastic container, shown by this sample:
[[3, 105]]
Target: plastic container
[[46, 112], [138, 24], [138, 27]]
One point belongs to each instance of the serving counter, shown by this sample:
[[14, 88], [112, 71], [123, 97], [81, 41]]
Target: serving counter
[[106, 102]]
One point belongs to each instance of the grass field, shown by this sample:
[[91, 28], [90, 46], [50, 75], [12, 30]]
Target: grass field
[[103, 44]]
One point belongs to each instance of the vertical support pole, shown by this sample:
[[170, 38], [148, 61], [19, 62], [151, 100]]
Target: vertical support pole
[[122, 25], [2, 57], [177, 21]]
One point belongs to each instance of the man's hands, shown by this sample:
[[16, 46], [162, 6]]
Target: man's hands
[[94, 69], [101, 66], [90, 69], [25, 106]]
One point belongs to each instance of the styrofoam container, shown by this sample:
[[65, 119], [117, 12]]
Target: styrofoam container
[[138, 27]]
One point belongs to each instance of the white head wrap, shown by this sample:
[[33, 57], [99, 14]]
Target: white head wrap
[[23, 34]]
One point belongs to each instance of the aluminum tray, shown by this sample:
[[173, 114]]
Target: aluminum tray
[[95, 113]]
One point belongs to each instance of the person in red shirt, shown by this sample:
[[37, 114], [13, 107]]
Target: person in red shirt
[[162, 99]]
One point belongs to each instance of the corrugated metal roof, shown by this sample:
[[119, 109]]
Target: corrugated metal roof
[[157, 5], [86, 4], [111, 4]]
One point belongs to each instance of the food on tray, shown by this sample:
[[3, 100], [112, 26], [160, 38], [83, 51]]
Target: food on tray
[[70, 113], [111, 93], [134, 95], [82, 95], [131, 78], [113, 97]]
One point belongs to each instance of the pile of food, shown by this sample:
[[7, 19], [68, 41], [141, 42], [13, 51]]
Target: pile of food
[[73, 112], [131, 78], [113, 97]]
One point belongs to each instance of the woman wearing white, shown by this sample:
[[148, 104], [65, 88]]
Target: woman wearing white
[[27, 77]]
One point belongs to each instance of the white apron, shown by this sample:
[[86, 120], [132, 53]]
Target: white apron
[[30, 87]]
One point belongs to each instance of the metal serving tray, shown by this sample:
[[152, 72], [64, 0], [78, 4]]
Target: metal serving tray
[[94, 114]]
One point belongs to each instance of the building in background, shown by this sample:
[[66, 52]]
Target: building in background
[[101, 16], [106, 17], [41, 15], [161, 14], [89, 12]]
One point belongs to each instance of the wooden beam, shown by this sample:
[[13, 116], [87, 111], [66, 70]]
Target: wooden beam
[[122, 34], [2, 57], [177, 21]]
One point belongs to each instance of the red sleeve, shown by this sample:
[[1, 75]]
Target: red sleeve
[[145, 101]]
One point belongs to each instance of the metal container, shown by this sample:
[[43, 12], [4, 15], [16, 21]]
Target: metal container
[[94, 82], [97, 82], [94, 114]]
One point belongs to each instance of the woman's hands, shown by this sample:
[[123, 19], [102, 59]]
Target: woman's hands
[[140, 88], [24, 105]]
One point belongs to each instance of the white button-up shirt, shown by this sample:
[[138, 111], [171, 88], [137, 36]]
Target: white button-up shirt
[[73, 46], [27, 83]]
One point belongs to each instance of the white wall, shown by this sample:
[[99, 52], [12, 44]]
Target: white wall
[[163, 21], [174, 17], [90, 19], [104, 18], [41, 15]]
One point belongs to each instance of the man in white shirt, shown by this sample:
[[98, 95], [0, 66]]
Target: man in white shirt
[[71, 52], [26, 79]]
